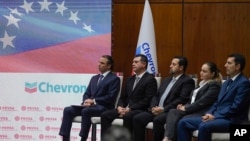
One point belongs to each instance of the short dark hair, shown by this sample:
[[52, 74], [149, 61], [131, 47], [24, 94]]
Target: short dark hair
[[110, 61], [239, 59], [143, 58], [182, 62]]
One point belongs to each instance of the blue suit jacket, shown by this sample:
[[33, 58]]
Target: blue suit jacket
[[233, 103], [106, 92]]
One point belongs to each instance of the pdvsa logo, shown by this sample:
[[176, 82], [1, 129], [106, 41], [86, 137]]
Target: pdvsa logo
[[31, 108], [48, 119], [24, 137], [47, 137], [46, 87], [29, 128], [4, 137], [7, 108], [51, 128], [24, 119], [54, 109], [7, 128], [4, 118]]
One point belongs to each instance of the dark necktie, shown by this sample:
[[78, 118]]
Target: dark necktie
[[230, 81], [100, 79]]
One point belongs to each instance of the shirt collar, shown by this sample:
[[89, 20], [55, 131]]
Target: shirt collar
[[140, 76], [105, 73], [177, 77], [203, 83], [235, 76]]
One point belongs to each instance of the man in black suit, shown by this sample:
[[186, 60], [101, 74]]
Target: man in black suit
[[100, 96], [138, 91], [173, 90]]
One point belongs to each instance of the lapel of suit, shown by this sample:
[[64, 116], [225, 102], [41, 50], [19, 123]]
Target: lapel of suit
[[223, 91], [94, 87], [164, 87], [138, 84], [201, 91], [224, 87], [102, 82], [130, 84], [176, 84]]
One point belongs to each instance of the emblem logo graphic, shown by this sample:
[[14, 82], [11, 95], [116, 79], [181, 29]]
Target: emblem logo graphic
[[31, 87]]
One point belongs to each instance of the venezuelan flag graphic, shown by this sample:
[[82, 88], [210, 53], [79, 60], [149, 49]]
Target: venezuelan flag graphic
[[58, 36]]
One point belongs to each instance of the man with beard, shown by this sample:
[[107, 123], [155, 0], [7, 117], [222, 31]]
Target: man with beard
[[173, 90]]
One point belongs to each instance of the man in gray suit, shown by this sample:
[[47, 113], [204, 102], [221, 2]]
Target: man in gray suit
[[138, 91], [173, 90], [100, 96]]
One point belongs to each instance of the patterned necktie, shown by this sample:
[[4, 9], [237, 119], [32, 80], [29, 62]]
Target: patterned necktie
[[165, 94]]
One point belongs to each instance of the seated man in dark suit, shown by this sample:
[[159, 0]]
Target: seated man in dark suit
[[100, 95], [230, 107], [138, 91], [173, 90]]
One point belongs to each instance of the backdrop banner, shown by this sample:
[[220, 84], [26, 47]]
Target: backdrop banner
[[49, 49], [54, 36], [31, 104]]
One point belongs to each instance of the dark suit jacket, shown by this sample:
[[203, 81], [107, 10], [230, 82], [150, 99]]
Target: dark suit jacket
[[205, 97], [106, 92], [139, 98], [179, 93], [233, 103]]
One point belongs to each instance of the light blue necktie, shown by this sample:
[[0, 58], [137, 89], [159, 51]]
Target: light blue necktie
[[165, 94]]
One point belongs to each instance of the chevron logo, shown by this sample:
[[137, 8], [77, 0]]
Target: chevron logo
[[31, 87]]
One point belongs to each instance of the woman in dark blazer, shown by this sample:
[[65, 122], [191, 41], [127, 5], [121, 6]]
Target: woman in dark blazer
[[201, 99]]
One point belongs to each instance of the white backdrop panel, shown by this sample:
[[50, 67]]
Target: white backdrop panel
[[31, 104]]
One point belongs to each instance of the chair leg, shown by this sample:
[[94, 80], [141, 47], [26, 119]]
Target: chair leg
[[194, 139], [93, 133], [148, 135]]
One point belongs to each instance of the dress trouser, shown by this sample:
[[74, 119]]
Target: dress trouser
[[70, 112], [172, 119], [139, 123], [142, 119], [188, 124], [158, 130], [107, 118]]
